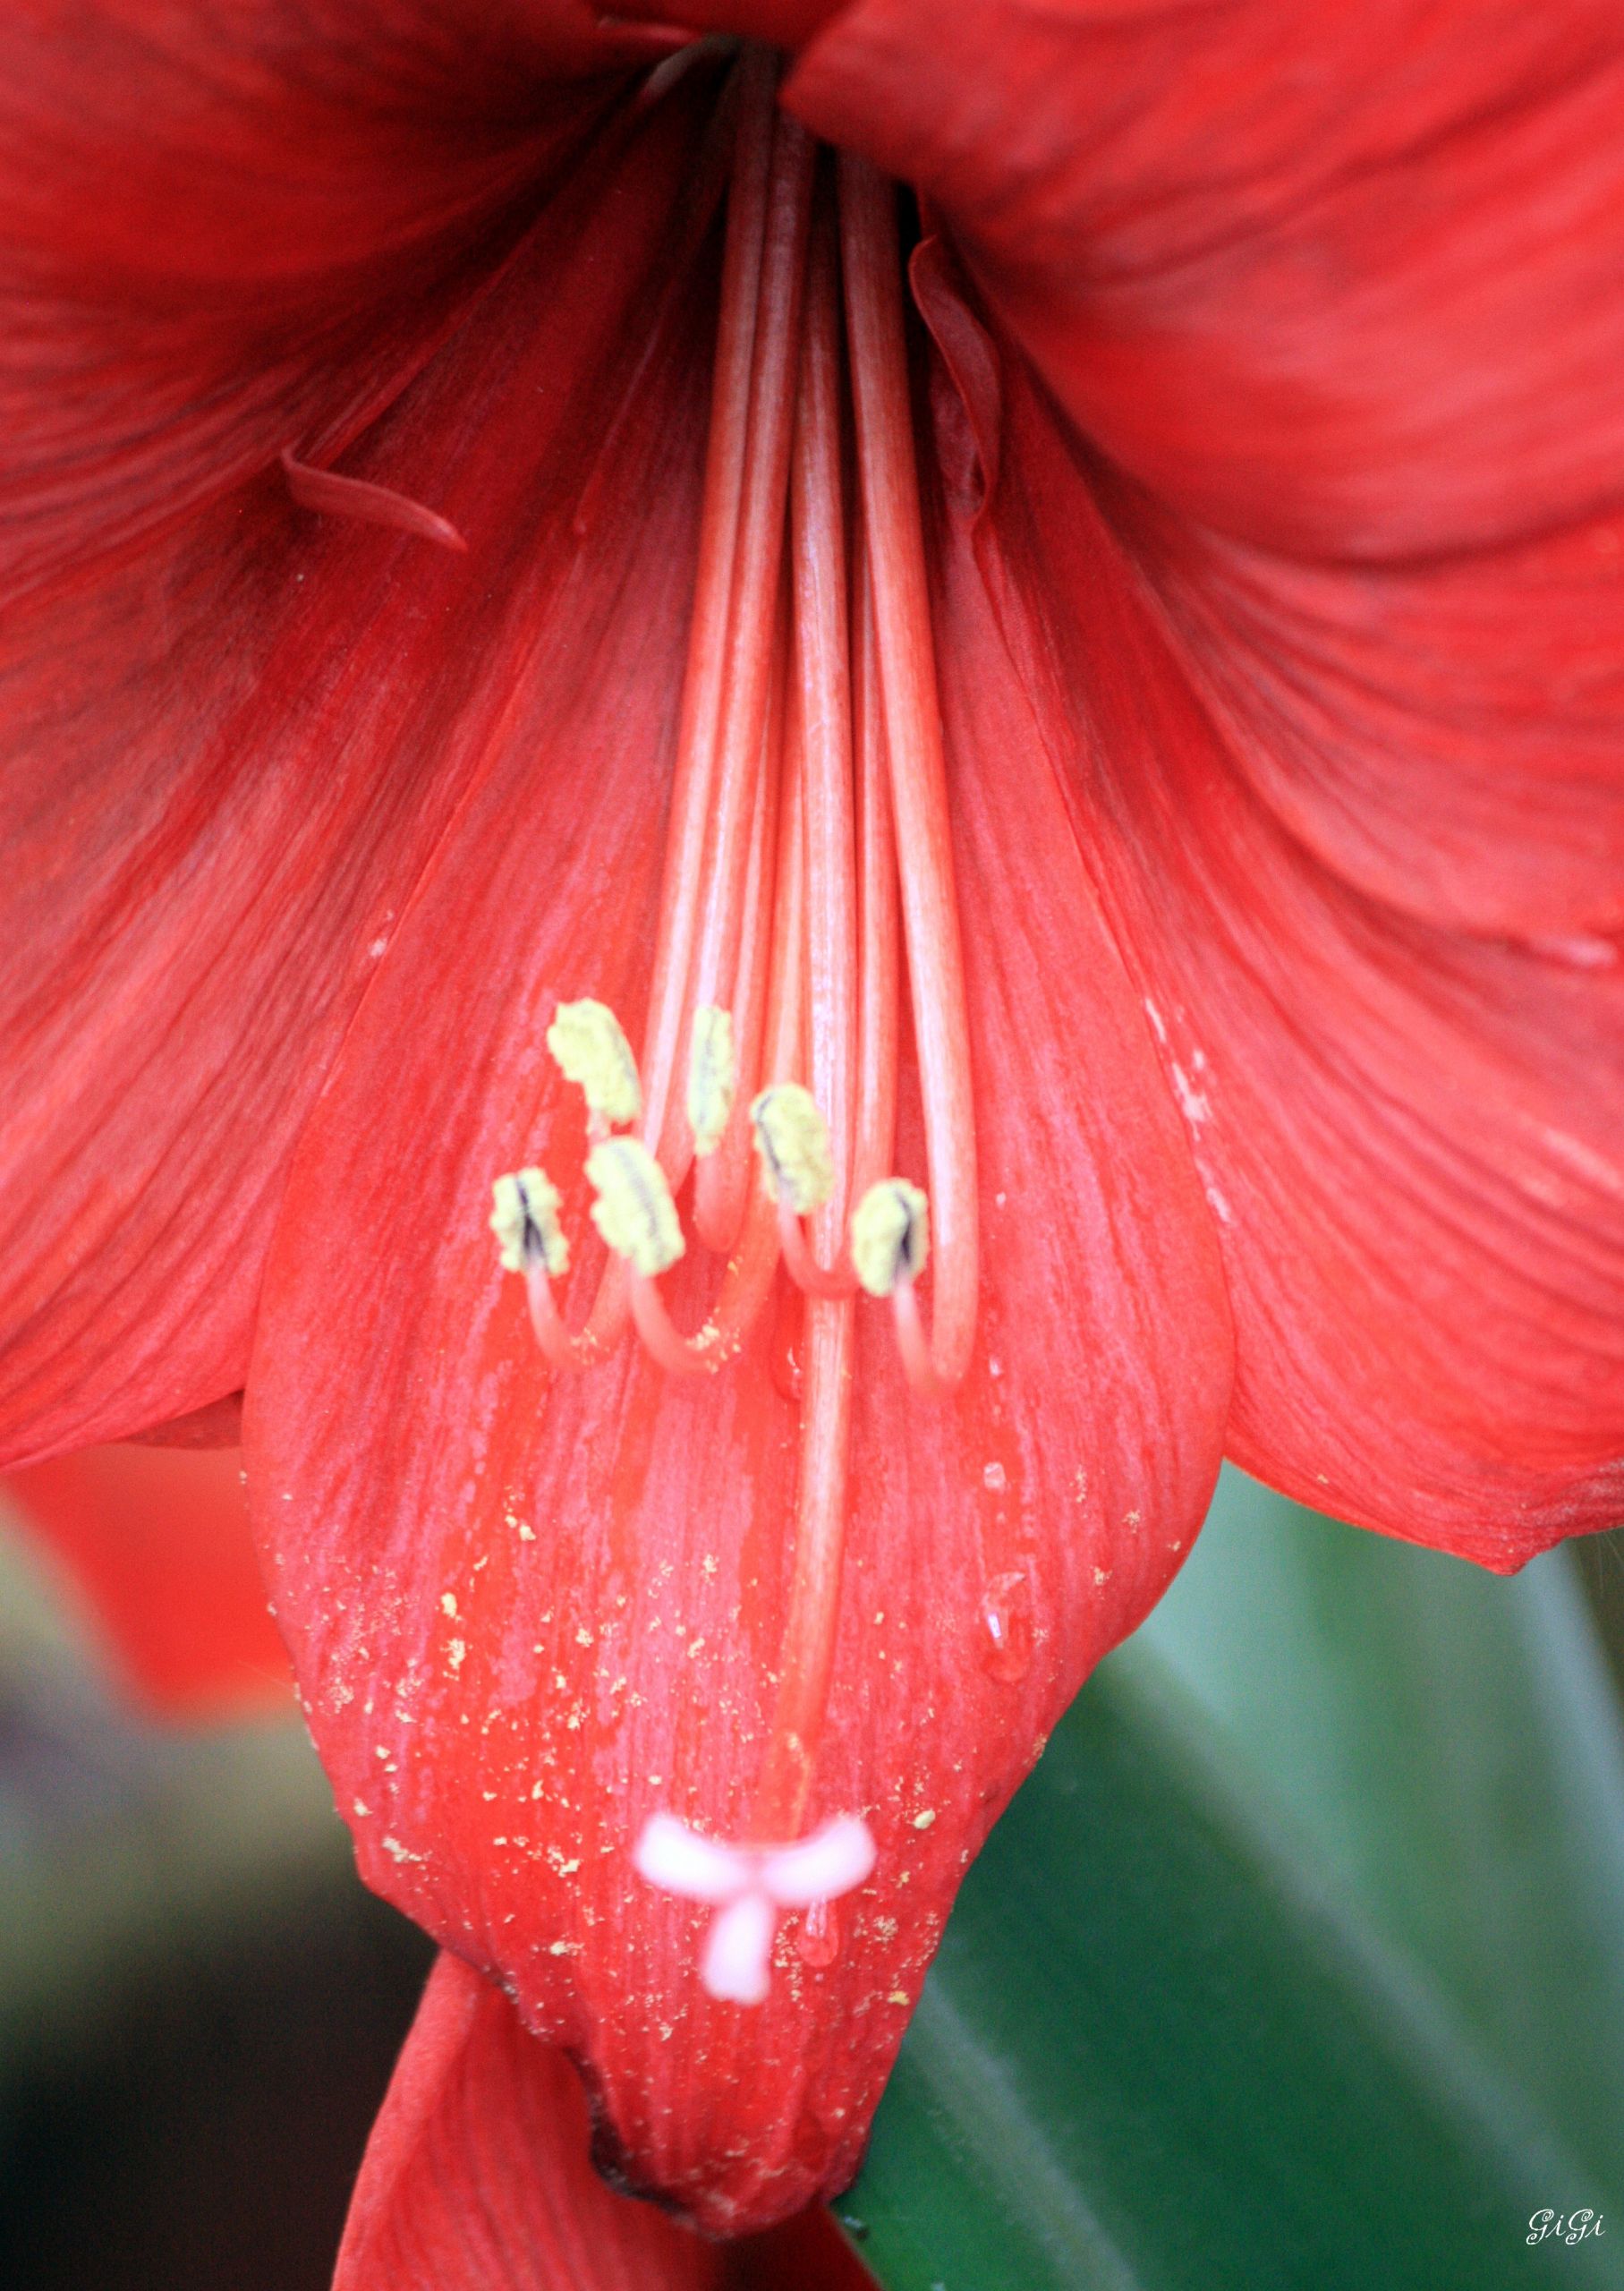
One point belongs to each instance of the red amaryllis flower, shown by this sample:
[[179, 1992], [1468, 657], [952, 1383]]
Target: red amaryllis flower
[[1189, 659]]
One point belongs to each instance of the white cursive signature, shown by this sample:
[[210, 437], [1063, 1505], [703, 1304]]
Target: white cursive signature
[[1566, 2227]]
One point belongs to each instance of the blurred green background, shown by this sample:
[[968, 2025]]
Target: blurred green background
[[1299, 1961]]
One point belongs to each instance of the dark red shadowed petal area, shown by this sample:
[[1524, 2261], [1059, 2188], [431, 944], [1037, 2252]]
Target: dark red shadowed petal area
[[226, 765], [157, 1543], [229, 232], [1411, 1139], [477, 2175], [1316, 276], [1448, 738], [527, 1611]]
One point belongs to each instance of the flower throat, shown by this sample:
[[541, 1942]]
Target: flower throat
[[808, 843]]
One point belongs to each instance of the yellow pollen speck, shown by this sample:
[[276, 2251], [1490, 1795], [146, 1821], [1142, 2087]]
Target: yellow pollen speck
[[792, 1139], [448, 1601], [713, 1076], [526, 1223], [590, 1049], [898, 1996], [923, 1821], [890, 1235], [634, 1210], [455, 1653]]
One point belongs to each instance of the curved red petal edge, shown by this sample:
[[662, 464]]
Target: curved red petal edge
[[527, 1611], [1336, 280], [1410, 1138], [155, 1543], [218, 1424], [223, 768], [477, 2175]]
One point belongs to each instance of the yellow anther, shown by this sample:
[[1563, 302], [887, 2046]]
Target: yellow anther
[[792, 1139], [713, 1076], [634, 1210], [890, 1235], [591, 1051], [526, 1223]]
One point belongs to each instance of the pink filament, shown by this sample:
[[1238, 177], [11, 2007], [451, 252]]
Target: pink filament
[[913, 728]]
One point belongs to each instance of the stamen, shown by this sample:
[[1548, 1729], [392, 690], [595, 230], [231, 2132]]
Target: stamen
[[879, 964], [890, 1236], [891, 1241], [745, 1287], [760, 543], [792, 1139], [908, 685], [822, 656], [531, 1241], [526, 1223], [590, 1049], [715, 586], [722, 1185], [332, 496], [634, 1210], [713, 1076]]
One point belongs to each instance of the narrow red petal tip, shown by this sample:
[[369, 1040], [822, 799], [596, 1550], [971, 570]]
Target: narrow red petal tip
[[332, 496], [477, 2175]]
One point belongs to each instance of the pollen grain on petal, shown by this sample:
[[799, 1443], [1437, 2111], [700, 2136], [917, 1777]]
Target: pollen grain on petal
[[890, 1235], [792, 1139], [525, 1218], [713, 1076], [591, 1049], [634, 1210]]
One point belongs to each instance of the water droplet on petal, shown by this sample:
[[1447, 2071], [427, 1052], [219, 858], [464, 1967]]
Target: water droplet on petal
[[1007, 1621], [818, 1940]]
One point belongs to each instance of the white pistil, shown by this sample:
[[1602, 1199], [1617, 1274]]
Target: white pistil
[[590, 1049], [750, 1886], [634, 1210], [526, 1223], [713, 1076], [792, 1139], [890, 1235]]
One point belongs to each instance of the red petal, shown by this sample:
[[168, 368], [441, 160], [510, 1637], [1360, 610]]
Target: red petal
[[1448, 738], [225, 771], [527, 1613], [1337, 279], [300, 204], [1411, 1139], [477, 2177], [157, 1542]]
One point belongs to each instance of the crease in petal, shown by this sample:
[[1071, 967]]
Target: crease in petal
[[1317, 277]]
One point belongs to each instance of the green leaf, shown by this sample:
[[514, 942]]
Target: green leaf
[[1296, 1963]]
